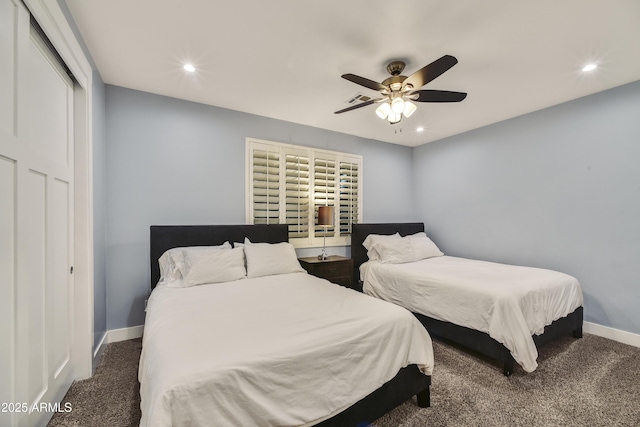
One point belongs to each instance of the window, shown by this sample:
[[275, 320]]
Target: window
[[286, 184]]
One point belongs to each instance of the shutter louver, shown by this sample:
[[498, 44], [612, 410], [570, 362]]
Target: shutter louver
[[348, 196], [266, 187], [297, 195]]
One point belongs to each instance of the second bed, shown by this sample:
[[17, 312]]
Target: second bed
[[501, 311]]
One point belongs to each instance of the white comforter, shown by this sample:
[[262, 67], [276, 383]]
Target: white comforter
[[279, 350], [510, 303]]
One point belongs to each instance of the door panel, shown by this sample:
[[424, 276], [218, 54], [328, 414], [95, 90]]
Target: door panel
[[33, 306], [59, 301], [47, 101]]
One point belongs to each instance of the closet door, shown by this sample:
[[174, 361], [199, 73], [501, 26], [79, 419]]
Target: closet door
[[36, 222]]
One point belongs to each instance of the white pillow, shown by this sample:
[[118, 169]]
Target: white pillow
[[373, 239], [423, 247], [178, 256], [403, 249], [168, 272], [172, 262], [265, 259], [394, 251], [212, 266]]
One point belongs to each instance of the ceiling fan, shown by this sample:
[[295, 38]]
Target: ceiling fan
[[398, 91]]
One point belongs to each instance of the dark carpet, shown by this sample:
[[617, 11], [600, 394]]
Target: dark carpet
[[112, 396], [591, 381]]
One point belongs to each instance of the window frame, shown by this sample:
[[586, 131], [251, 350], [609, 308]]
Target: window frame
[[311, 240]]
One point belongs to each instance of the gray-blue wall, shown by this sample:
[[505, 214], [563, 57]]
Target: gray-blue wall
[[558, 188], [176, 162], [99, 210]]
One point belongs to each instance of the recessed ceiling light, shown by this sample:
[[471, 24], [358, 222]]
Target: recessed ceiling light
[[420, 129], [589, 67], [190, 68]]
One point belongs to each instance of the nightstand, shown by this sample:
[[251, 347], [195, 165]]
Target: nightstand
[[336, 269]]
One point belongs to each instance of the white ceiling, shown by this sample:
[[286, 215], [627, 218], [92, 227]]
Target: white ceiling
[[284, 58]]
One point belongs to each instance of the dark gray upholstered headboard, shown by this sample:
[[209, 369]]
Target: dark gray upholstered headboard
[[359, 232], [164, 237]]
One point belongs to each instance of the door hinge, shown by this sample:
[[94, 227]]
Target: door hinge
[[71, 270]]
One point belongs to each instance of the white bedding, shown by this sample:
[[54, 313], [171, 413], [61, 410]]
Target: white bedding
[[280, 350], [510, 303]]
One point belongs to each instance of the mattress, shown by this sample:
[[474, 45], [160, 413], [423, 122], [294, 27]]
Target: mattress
[[280, 350], [510, 303]]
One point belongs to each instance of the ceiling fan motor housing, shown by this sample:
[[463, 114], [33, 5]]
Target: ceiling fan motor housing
[[395, 68]]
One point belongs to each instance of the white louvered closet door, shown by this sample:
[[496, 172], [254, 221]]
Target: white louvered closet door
[[36, 221]]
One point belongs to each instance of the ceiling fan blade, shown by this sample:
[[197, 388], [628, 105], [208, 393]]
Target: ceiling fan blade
[[364, 82], [437, 96], [430, 72], [362, 104]]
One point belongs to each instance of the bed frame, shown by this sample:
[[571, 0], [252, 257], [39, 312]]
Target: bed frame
[[409, 381], [469, 338]]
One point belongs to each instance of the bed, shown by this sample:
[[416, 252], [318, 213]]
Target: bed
[[272, 350], [446, 326]]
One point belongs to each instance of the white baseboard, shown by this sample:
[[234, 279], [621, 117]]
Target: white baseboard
[[613, 334], [115, 335], [133, 332]]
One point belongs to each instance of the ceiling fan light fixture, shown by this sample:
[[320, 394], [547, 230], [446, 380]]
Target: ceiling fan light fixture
[[397, 105], [394, 117], [409, 109], [383, 110]]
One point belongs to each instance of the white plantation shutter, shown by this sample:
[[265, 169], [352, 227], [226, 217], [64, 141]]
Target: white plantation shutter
[[349, 181], [297, 195], [266, 187], [286, 184], [324, 190]]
